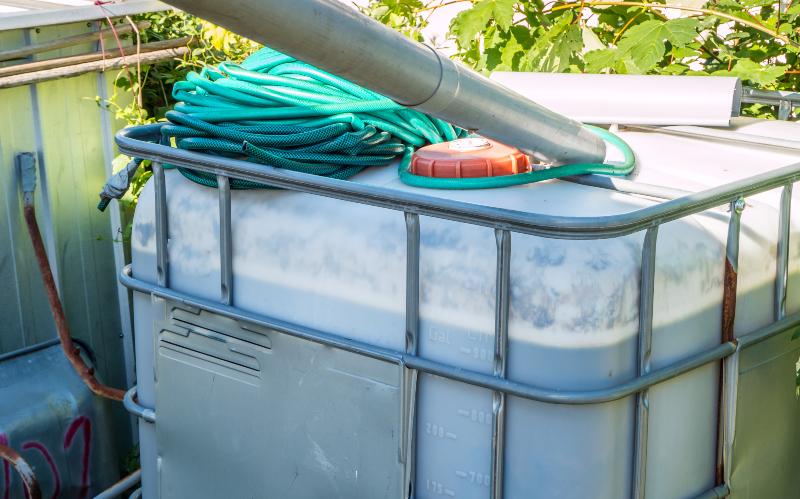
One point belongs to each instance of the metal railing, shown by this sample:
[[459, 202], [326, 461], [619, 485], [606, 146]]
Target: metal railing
[[142, 142], [784, 100]]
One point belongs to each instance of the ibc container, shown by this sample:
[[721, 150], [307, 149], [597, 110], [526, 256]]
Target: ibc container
[[573, 321]]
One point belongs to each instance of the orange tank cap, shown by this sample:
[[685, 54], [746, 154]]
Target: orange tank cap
[[469, 158]]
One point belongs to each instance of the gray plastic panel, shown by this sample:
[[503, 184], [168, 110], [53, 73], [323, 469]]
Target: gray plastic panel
[[271, 415], [766, 449]]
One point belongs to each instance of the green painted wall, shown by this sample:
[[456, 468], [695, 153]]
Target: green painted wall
[[61, 122]]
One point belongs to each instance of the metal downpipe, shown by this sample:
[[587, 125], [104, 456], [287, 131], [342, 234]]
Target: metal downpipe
[[338, 39]]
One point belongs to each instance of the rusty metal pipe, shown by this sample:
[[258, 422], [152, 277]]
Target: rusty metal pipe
[[24, 470], [72, 352]]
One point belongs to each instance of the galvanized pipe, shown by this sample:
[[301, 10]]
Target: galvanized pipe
[[462, 375], [337, 38], [726, 376], [132, 141], [133, 406], [500, 364], [782, 258], [121, 486], [646, 292], [225, 240], [410, 377]]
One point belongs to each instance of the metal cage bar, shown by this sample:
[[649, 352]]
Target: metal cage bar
[[133, 141], [782, 260], [162, 230], [225, 240], [410, 377], [517, 389], [729, 283], [500, 362], [642, 416]]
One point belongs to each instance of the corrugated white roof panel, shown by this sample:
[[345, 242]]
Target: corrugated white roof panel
[[16, 14]]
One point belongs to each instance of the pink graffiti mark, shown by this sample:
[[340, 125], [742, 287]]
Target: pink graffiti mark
[[6, 470], [50, 462], [86, 424]]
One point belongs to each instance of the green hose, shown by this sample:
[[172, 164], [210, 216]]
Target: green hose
[[275, 110]]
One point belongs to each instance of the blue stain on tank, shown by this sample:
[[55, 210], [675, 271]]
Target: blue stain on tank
[[547, 255], [144, 232]]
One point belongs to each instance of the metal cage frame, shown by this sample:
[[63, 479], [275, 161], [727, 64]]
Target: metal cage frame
[[144, 142]]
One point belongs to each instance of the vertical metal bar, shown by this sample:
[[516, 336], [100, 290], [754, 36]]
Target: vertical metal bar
[[503, 238], [412, 282], [225, 240], [729, 282], [784, 110], [410, 376], [162, 231], [646, 292], [731, 270], [782, 259]]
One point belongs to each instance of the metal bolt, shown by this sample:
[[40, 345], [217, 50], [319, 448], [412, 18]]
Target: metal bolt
[[739, 205]]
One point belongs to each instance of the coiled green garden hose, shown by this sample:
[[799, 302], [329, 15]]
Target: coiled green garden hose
[[275, 110]]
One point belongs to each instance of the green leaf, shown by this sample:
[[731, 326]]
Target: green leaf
[[645, 43], [467, 24], [555, 48], [683, 52], [509, 52], [599, 60], [674, 69], [503, 13], [754, 72]]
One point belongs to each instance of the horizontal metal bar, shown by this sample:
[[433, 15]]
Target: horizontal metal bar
[[627, 186], [121, 486], [133, 141], [750, 94], [135, 408], [28, 349], [297, 331], [697, 132], [765, 333], [509, 387]]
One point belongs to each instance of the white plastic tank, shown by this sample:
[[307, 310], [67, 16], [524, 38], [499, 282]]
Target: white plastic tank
[[340, 267]]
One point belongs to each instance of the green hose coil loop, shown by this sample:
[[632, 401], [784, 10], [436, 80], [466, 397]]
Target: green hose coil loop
[[275, 110], [616, 169], [278, 111]]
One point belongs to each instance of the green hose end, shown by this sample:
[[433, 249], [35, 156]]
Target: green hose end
[[616, 169], [103, 204]]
